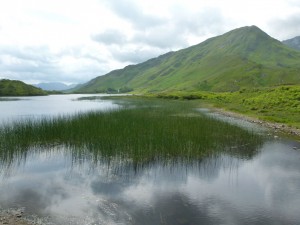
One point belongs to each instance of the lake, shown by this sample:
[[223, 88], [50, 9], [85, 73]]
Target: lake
[[18, 108], [55, 187]]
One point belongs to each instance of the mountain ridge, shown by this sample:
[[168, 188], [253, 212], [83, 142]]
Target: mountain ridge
[[240, 58], [54, 86], [293, 42]]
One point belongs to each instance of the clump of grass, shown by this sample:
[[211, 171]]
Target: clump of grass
[[276, 104], [168, 131]]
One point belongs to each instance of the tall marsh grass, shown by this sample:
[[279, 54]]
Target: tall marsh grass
[[157, 131]]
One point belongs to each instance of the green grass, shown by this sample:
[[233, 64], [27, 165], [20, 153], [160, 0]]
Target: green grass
[[278, 104], [18, 88], [275, 104], [144, 133]]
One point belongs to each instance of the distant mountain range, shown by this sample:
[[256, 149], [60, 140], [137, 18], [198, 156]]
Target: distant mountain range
[[293, 43], [244, 57], [54, 86], [18, 88]]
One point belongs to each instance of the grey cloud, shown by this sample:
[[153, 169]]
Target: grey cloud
[[169, 34], [110, 37], [286, 28], [127, 9], [79, 52], [53, 75], [174, 33], [153, 36], [39, 54], [162, 37], [17, 62], [209, 20], [135, 55], [38, 63]]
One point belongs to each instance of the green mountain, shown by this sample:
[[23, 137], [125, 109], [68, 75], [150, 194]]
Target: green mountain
[[244, 57], [18, 88], [293, 43]]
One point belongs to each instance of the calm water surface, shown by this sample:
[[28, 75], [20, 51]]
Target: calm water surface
[[18, 108], [61, 189]]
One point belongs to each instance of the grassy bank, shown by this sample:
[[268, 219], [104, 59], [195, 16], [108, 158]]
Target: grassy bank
[[280, 104], [276, 104], [143, 132]]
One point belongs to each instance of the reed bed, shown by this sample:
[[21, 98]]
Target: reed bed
[[143, 133]]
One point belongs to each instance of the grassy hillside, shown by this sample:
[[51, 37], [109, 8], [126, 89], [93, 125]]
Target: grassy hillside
[[18, 88], [244, 57]]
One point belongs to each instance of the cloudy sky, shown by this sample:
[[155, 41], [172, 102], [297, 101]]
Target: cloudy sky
[[73, 41]]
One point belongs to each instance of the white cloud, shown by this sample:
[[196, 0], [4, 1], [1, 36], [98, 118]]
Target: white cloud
[[290, 26], [74, 41]]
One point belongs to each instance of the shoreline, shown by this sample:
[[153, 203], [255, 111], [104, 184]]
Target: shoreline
[[13, 217], [276, 127], [17, 217]]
